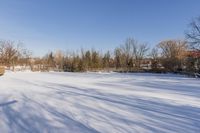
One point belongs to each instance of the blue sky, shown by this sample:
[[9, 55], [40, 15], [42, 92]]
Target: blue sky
[[45, 25]]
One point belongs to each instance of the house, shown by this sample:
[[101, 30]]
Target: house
[[194, 54], [194, 58], [146, 64]]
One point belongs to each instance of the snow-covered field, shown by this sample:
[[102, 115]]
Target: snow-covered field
[[98, 102]]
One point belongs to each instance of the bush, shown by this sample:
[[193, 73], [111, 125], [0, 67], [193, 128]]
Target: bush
[[2, 70], [159, 70]]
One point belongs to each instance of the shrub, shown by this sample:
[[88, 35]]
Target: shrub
[[2, 70]]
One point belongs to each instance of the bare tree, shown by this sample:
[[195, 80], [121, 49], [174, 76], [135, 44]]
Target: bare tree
[[126, 50], [173, 52], [88, 60], [9, 53], [118, 58], [139, 52], [95, 60], [193, 35], [154, 59], [59, 59], [133, 52], [106, 60], [2, 52]]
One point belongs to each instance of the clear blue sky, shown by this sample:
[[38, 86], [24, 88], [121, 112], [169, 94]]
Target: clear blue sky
[[45, 25]]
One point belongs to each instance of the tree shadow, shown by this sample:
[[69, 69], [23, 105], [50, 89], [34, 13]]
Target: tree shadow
[[78, 109], [8, 103]]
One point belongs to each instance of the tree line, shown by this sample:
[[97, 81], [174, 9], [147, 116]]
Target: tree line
[[167, 56]]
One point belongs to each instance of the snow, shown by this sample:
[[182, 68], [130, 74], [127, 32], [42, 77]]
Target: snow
[[97, 102]]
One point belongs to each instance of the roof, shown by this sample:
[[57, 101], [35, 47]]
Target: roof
[[194, 53]]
